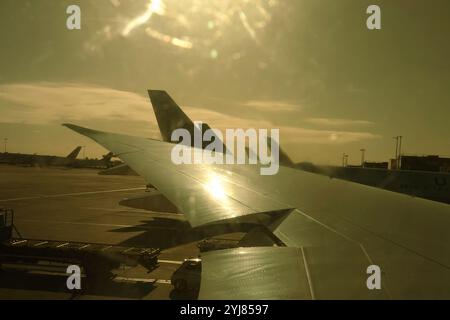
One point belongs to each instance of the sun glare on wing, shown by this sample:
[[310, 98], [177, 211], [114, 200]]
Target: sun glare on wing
[[215, 187]]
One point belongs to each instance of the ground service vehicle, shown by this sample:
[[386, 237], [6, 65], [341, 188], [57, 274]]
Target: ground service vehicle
[[187, 276]]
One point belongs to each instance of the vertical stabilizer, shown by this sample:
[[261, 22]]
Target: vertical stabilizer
[[74, 154]]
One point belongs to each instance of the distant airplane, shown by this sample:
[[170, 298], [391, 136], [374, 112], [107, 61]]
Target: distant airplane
[[69, 161], [39, 160], [341, 240], [74, 154], [104, 162]]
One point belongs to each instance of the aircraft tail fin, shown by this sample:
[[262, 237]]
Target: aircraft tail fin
[[74, 153], [168, 114], [170, 117], [107, 157], [284, 159]]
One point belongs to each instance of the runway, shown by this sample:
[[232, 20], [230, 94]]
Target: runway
[[80, 205]]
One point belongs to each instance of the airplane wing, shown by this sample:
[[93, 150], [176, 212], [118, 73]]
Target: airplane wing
[[200, 194], [333, 229]]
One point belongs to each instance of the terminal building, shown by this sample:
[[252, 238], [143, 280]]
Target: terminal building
[[432, 163], [377, 165]]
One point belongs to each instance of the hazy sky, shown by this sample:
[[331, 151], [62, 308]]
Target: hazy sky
[[308, 67]]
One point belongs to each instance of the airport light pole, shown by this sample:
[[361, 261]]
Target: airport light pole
[[398, 147], [399, 152], [344, 159], [363, 151], [396, 151]]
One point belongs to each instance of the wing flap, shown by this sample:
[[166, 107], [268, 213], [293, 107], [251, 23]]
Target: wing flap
[[254, 273]]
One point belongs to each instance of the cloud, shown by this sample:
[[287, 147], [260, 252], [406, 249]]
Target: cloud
[[48, 102], [336, 122], [54, 103], [289, 134], [312, 136], [127, 112], [271, 105], [352, 88], [223, 121]]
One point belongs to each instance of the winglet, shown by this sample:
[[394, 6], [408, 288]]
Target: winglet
[[90, 133], [81, 130]]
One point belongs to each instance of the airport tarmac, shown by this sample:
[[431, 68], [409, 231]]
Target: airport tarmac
[[80, 205]]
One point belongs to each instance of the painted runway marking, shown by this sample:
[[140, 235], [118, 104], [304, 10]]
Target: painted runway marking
[[163, 281], [160, 281], [51, 273], [170, 261], [143, 227], [80, 223], [71, 194], [117, 278], [126, 210]]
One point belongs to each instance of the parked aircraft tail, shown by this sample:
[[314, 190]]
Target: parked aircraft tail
[[284, 159], [74, 154]]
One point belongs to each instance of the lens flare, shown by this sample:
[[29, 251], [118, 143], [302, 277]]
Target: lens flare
[[155, 6]]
